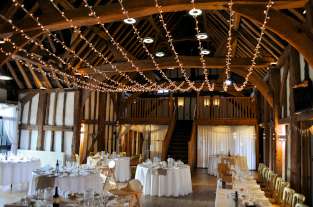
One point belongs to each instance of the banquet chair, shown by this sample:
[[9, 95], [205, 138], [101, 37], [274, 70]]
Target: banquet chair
[[133, 191], [297, 198], [288, 197], [261, 167], [224, 172], [276, 197], [271, 182]]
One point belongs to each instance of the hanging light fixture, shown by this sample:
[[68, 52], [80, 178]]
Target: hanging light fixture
[[160, 54], [195, 12], [148, 40], [205, 52], [202, 36], [129, 21], [4, 76], [206, 101], [181, 101]]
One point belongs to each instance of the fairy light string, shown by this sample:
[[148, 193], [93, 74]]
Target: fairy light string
[[55, 38], [137, 33], [202, 60], [41, 46], [170, 41], [251, 68], [229, 45], [120, 49]]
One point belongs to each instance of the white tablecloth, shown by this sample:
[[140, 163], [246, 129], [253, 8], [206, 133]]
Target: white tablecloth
[[122, 167], [177, 181], [248, 188], [17, 171], [73, 183], [240, 162]]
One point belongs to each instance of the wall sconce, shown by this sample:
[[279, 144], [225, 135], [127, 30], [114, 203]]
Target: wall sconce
[[181, 101], [216, 101], [206, 101]]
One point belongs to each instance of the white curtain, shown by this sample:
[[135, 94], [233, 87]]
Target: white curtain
[[221, 140], [157, 134], [9, 116]]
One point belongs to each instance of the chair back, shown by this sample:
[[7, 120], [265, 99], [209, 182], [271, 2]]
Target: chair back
[[288, 196], [265, 172], [282, 186], [272, 181], [301, 205], [297, 198], [260, 168], [135, 186]]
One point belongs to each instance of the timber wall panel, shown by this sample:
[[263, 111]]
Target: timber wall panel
[[57, 115]]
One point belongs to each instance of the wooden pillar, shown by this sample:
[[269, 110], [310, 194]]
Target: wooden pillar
[[277, 145], [41, 117], [266, 134], [101, 121], [295, 178], [77, 121]]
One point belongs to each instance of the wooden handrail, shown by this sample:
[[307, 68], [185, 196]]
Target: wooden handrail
[[192, 150], [170, 131], [229, 108]]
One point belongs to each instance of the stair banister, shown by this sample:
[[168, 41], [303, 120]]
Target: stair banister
[[192, 142], [170, 129]]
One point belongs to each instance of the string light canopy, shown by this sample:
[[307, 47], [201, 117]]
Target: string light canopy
[[113, 84], [170, 42]]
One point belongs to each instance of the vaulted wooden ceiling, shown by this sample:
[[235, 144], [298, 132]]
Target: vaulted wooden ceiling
[[213, 21]]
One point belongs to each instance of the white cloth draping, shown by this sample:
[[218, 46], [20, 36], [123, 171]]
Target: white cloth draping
[[248, 190], [17, 171], [122, 166], [177, 181], [73, 183], [220, 140], [9, 116], [213, 160]]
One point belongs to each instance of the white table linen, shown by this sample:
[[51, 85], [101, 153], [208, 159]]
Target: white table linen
[[73, 183], [122, 166], [248, 190], [17, 171], [213, 160], [177, 181]]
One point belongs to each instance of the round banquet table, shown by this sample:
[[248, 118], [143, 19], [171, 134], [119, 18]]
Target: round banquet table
[[72, 183], [176, 182], [122, 166], [17, 171], [213, 160]]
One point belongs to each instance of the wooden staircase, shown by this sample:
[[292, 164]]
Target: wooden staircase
[[178, 148]]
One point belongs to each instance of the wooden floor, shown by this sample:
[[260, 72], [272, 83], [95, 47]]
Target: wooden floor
[[203, 194]]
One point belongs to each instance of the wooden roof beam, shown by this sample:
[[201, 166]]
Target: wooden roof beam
[[137, 9], [187, 61]]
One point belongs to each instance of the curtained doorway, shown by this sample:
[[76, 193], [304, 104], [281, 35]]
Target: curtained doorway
[[222, 140]]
